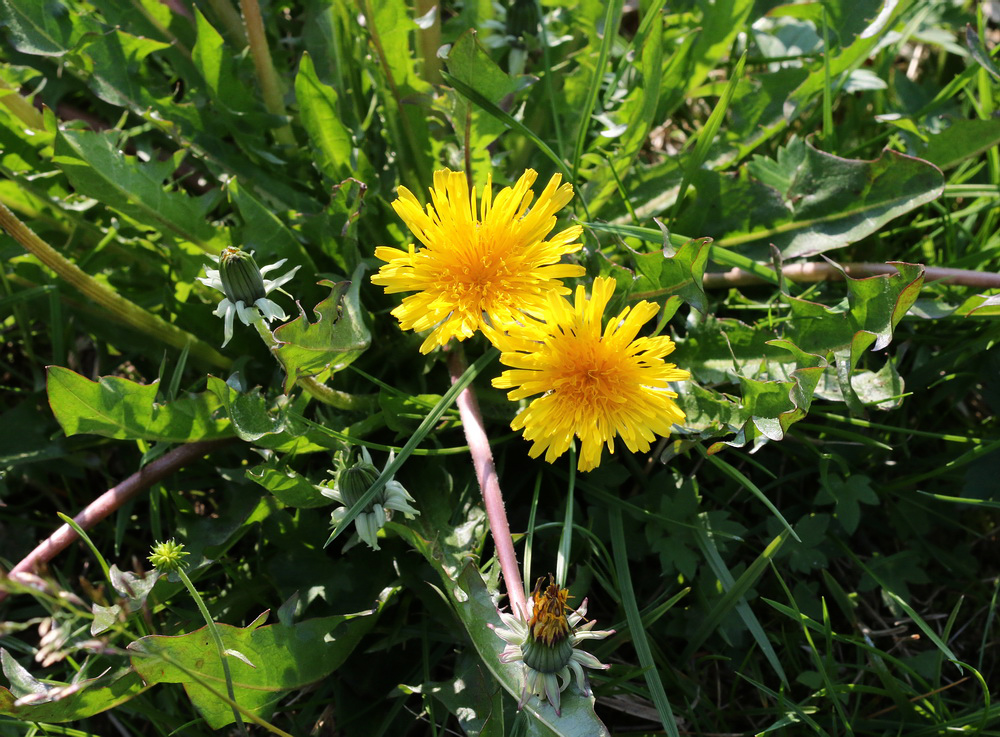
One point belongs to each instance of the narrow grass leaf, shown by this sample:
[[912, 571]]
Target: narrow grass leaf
[[735, 597], [612, 17], [637, 629], [508, 120], [737, 476], [706, 135]]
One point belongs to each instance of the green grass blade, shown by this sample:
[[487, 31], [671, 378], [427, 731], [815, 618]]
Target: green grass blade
[[612, 16], [707, 134], [507, 119], [735, 598], [737, 476], [636, 627]]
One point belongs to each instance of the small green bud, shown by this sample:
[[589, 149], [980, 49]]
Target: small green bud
[[241, 279], [168, 556]]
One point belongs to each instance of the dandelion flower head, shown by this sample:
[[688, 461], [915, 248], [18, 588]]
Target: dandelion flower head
[[478, 266], [546, 645], [596, 383]]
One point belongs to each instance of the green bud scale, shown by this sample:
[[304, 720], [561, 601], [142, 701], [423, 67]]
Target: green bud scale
[[241, 279], [546, 658]]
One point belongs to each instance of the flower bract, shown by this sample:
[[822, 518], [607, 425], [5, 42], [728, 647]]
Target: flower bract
[[350, 485], [596, 383], [545, 645], [245, 287], [477, 265]]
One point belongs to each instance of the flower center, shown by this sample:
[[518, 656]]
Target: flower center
[[590, 376], [481, 283]]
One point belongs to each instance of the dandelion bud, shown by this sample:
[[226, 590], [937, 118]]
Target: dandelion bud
[[241, 278], [352, 483], [355, 480]]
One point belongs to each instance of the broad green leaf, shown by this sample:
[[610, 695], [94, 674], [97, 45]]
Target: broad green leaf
[[118, 76], [246, 410], [331, 140], [283, 658], [97, 168], [45, 29], [212, 57], [468, 62], [669, 272], [473, 697], [51, 703], [338, 336], [960, 141], [119, 408], [807, 202], [290, 488]]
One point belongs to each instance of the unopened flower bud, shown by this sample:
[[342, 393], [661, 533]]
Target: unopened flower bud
[[241, 278], [355, 480]]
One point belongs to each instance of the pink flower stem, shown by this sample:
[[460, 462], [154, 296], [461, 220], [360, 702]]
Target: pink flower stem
[[110, 501], [489, 484]]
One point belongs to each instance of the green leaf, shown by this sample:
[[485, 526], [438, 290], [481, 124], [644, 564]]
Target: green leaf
[[847, 494], [960, 141], [331, 140], [979, 52], [472, 696], [212, 58], [289, 487], [45, 29], [668, 273], [97, 168], [284, 657], [63, 702], [469, 63], [338, 336], [122, 409], [247, 411], [807, 202]]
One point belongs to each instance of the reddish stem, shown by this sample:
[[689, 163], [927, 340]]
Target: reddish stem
[[816, 271], [489, 484], [110, 501]]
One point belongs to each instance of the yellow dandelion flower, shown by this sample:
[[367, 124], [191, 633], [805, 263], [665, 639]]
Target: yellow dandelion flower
[[595, 384], [477, 267]]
